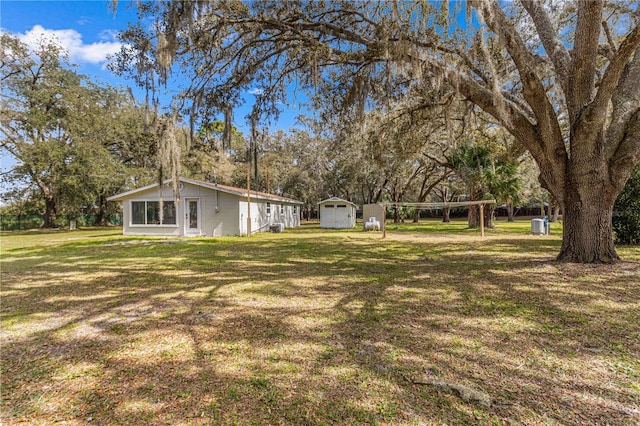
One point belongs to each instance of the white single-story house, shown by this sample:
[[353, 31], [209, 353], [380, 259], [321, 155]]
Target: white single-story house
[[203, 208], [337, 213]]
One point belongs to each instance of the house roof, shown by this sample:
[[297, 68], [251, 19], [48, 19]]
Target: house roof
[[337, 200], [240, 192]]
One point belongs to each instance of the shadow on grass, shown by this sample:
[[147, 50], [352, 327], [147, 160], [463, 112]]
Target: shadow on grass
[[316, 328]]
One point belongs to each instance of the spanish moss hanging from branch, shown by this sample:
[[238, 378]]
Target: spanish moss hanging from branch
[[169, 151]]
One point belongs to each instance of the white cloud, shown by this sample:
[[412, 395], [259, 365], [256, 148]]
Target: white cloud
[[71, 41], [256, 91]]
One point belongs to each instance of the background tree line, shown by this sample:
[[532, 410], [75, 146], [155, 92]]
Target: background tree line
[[413, 101]]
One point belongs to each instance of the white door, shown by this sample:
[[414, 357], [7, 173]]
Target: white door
[[192, 216], [328, 216], [341, 216]]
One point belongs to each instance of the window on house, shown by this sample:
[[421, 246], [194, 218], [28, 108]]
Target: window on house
[[138, 213], [153, 213], [148, 213], [295, 209], [268, 208], [328, 206], [168, 213], [282, 209], [342, 206]]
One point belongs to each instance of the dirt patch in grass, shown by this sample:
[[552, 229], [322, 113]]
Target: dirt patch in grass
[[317, 327]]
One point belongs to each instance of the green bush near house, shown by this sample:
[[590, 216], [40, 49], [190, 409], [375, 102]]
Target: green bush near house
[[626, 212]]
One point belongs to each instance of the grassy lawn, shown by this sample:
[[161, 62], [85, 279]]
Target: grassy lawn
[[314, 327]]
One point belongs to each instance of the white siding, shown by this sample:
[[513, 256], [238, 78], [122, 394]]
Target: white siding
[[220, 213], [220, 221], [259, 221], [280, 212], [291, 215], [214, 222]]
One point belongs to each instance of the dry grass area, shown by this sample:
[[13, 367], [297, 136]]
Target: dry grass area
[[314, 327]]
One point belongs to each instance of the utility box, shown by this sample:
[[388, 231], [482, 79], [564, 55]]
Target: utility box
[[538, 227]]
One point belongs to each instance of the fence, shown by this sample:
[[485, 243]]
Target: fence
[[17, 222]]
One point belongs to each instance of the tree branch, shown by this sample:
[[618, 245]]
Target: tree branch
[[584, 55], [596, 112], [556, 51], [610, 40], [547, 126], [628, 153]]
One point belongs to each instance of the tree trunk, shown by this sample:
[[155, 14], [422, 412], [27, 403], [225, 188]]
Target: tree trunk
[[445, 214], [474, 216], [102, 211], [489, 210], [556, 213], [587, 235], [50, 212], [416, 215], [509, 212]]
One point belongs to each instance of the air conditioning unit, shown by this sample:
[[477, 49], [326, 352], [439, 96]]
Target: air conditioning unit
[[276, 227]]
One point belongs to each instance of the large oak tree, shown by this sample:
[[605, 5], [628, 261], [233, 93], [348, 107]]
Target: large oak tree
[[40, 101], [560, 76], [74, 141]]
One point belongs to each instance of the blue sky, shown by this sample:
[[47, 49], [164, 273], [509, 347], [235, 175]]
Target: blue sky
[[87, 30]]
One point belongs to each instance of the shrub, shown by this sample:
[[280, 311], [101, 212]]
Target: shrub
[[626, 211]]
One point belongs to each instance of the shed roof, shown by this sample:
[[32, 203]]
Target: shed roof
[[337, 200], [240, 192]]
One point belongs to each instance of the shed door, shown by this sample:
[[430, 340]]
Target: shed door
[[342, 216], [328, 216]]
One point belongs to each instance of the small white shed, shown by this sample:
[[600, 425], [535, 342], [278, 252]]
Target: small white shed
[[337, 213]]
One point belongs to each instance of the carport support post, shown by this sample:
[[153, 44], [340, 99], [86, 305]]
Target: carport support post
[[384, 221], [482, 220]]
